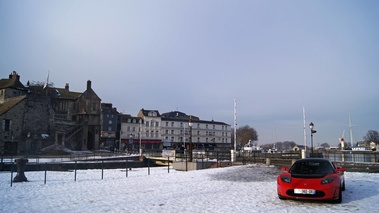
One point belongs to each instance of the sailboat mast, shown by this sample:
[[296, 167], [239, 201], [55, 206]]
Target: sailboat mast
[[235, 125], [305, 132], [351, 131]]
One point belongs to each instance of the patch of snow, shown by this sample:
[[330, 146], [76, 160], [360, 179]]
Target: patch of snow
[[249, 188]]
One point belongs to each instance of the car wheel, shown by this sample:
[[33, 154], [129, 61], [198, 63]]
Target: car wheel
[[339, 200], [343, 186]]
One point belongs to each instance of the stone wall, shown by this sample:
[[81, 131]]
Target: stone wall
[[15, 134]]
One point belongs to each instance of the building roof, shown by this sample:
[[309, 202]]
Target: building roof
[[181, 116], [11, 102], [149, 113], [89, 93], [66, 94], [12, 82], [194, 121]]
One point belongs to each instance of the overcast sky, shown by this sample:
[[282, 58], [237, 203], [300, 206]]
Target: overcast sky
[[273, 57]]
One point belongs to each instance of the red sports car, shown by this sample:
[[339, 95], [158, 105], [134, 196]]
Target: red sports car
[[312, 179]]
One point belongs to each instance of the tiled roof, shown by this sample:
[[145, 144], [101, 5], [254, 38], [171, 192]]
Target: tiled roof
[[10, 103], [66, 94], [11, 83]]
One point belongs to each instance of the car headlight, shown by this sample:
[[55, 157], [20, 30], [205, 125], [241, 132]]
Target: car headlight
[[286, 179], [327, 180]]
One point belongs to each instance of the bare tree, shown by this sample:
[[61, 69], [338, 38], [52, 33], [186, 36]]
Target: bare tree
[[40, 83], [372, 136], [244, 134], [325, 145]]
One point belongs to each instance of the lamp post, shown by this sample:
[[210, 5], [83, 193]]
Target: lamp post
[[129, 147], [119, 142], [311, 126], [140, 141], [190, 145]]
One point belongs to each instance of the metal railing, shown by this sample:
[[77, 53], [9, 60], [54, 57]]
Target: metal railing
[[219, 156]]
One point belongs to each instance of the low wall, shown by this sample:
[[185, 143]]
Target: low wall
[[188, 166], [79, 165]]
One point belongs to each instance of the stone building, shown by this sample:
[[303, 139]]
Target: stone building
[[109, 127], [37, 118]]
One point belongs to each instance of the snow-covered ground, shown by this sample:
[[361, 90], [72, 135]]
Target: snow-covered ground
[[250, 188]]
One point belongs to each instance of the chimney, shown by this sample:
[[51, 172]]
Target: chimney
[[67, 87], [88, 84], [14, 74]]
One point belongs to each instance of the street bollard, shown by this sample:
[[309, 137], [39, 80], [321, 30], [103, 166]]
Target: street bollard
[[21, 164]]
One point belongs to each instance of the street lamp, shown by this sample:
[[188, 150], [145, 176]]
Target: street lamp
[[129, 147], [140, 141], [311, 126], [190, 145], [119, 142]]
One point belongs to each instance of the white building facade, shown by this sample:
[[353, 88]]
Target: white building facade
[[153, 131]]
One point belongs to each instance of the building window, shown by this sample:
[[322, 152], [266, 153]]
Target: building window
[[147, 123], [172, 132], [172, 124], [206, 126], [94, 106], [166, 123], [157, 124], [214, 127], [157, 134], [110, 121], [166, 131], [63, 106], [6, 125]]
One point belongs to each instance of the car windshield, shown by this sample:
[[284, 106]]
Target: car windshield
[[311, 167]]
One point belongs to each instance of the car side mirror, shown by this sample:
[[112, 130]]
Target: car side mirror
[[340, 169]]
